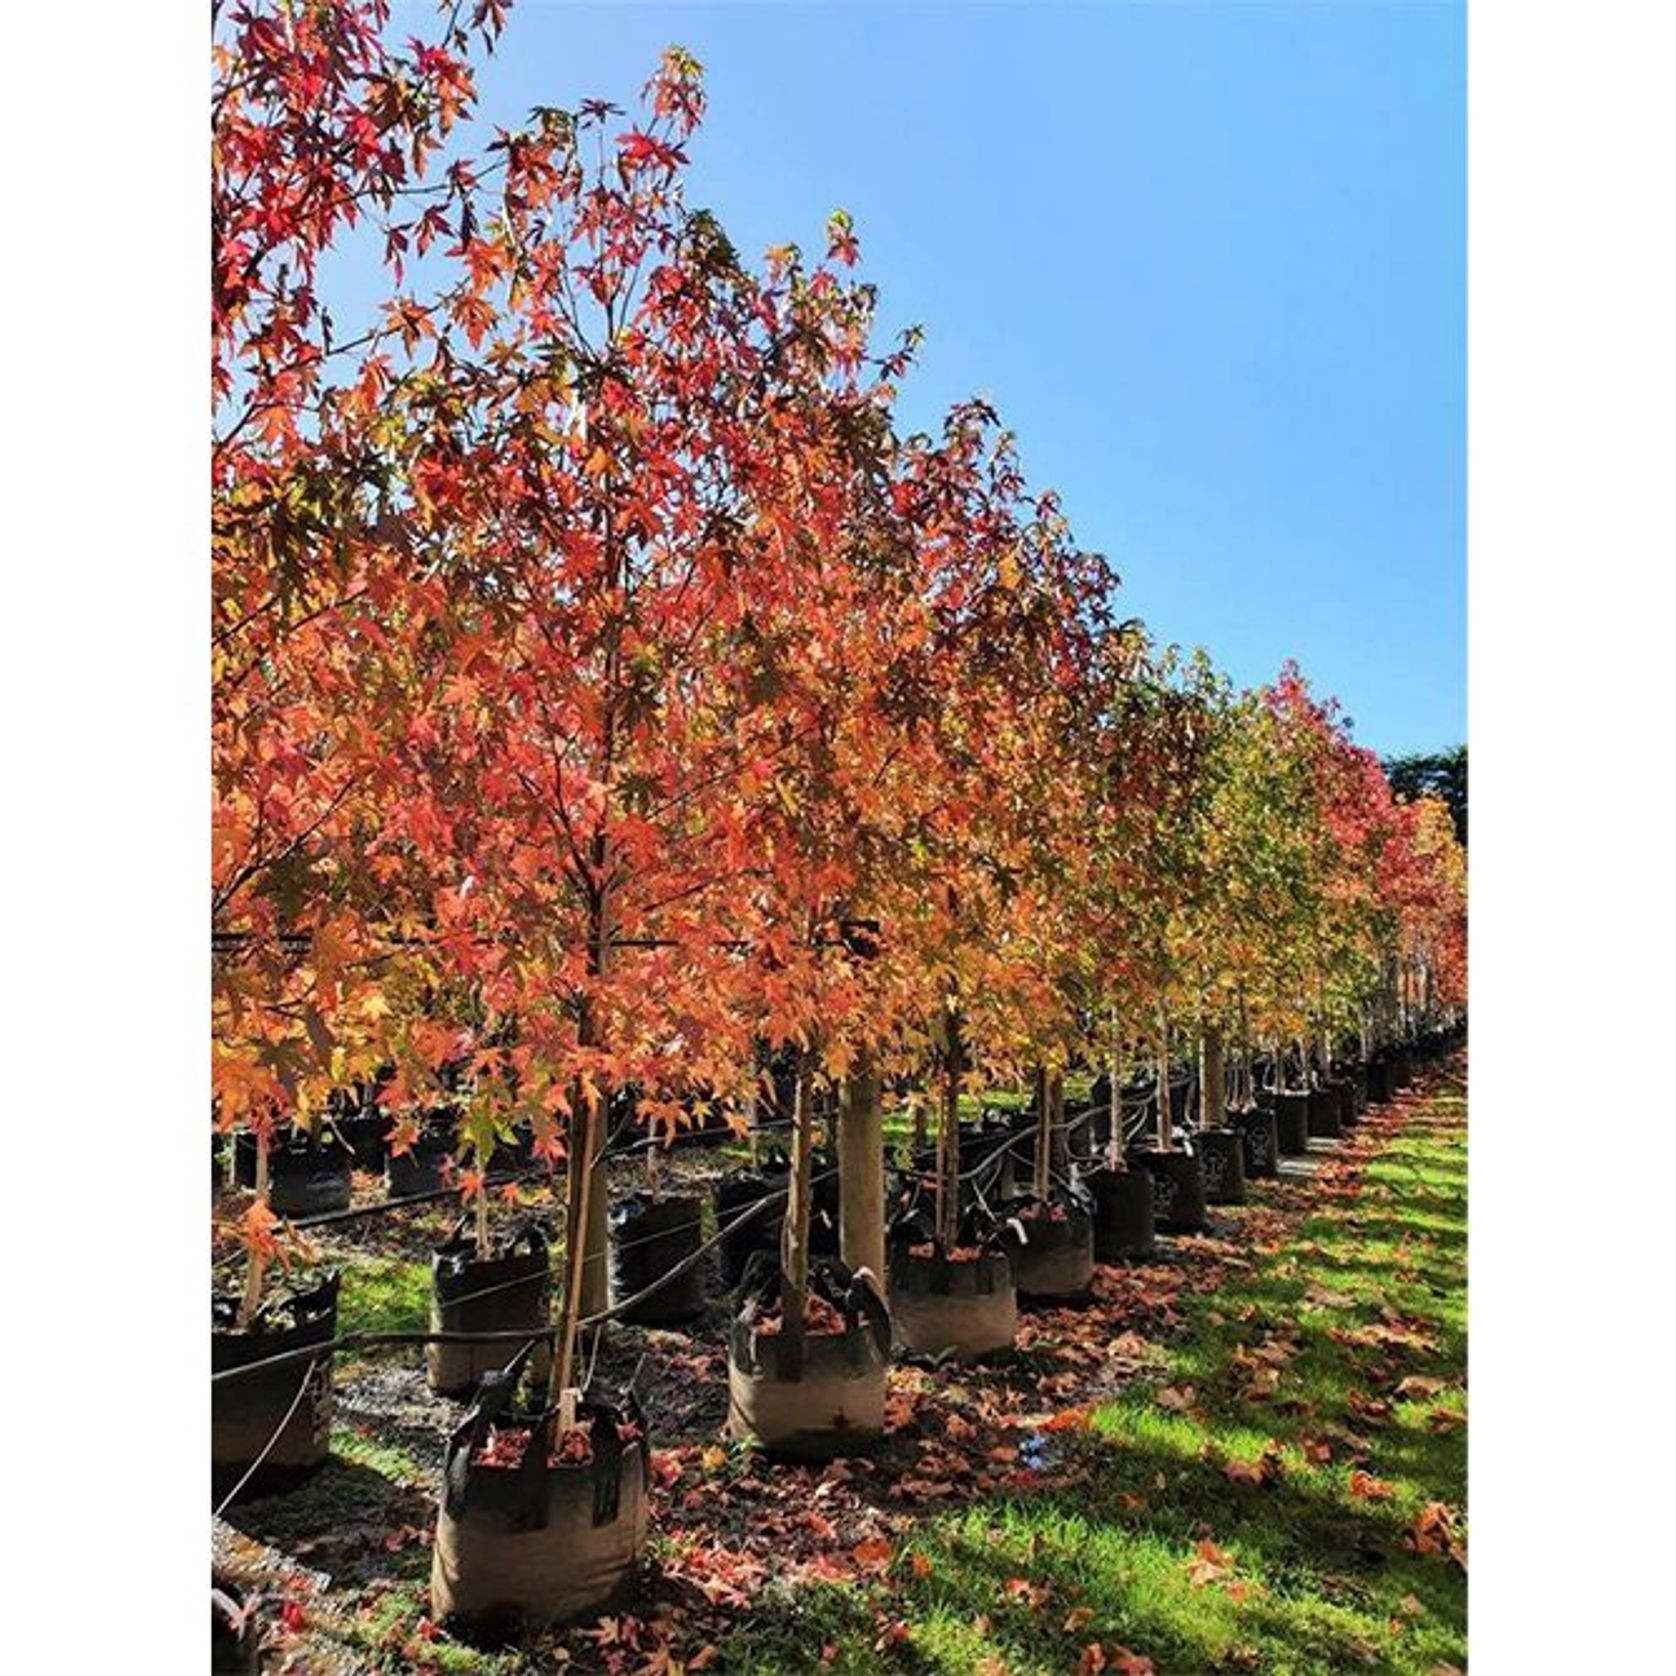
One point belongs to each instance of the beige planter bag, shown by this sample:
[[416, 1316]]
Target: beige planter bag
[[1053, 1259], [517, 1547], [833, 1401], [953, 1311]]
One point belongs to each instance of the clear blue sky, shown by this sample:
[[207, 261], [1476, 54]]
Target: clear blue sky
[[1208, 260]]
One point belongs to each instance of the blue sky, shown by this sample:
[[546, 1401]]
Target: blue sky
[[1207, 259]]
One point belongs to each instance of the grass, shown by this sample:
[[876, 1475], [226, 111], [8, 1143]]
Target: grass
[[382, 1295], [1307, 1572]]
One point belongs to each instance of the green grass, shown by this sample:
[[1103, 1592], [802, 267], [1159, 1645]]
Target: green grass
[[382, 1295], [1311, 1577]]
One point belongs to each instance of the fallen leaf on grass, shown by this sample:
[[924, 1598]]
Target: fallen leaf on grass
[[1419, 1386], [1209, 1563], [1369, 1488], [1178, 1399], [1067, 1419], [1265, 1470], [1436, 1530], [1079, 1618], [1021, 1588], [875, 1552]]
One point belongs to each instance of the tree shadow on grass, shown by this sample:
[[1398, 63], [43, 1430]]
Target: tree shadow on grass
[[346, 1520]]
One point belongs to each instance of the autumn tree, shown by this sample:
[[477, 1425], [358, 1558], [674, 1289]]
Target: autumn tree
[[322, 128]]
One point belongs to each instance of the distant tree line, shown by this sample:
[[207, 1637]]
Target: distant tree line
[[1439, 773]]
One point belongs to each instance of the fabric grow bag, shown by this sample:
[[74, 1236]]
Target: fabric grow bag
[[833, 1401], [651, 1236], [510, 1292], [1356, 1075], [307, 1175], [1053, 1256], [1380, 1087], [246, 1412], [424, 1167], [1322, 1115], [733, 1194], [366, 1134], [1259, 1142], [1123, 1220], [956, 1310], [1223, 1157], [1346, 1092], [1291, 1121], [1178, 1188], [518, 1547]]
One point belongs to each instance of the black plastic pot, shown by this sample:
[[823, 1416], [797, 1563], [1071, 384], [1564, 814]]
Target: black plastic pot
[[1223, 1159], [1123, 1220], [650, 1238], [307, 1176], [831, 1400], [510, 1292], [424, 1167], [1323, 1118], [956, 1312], [518, 1547], [1052, 1255], [246, 1412], [1291, 1122], [1178, 1188], [1259, 1142]]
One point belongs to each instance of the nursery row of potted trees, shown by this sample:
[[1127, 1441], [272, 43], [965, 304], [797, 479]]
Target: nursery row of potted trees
[[604, 691]]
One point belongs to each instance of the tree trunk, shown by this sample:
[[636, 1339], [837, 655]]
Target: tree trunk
[[794, 1237], [1115, 1159], [1248, 1068], [1163, 1081], [1213, 1092], [861, 1170], [586, 1207], [948, 1134], [256, 1262], [1042, 1186]]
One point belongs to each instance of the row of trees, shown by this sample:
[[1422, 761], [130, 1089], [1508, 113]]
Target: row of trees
[[605, 689]]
